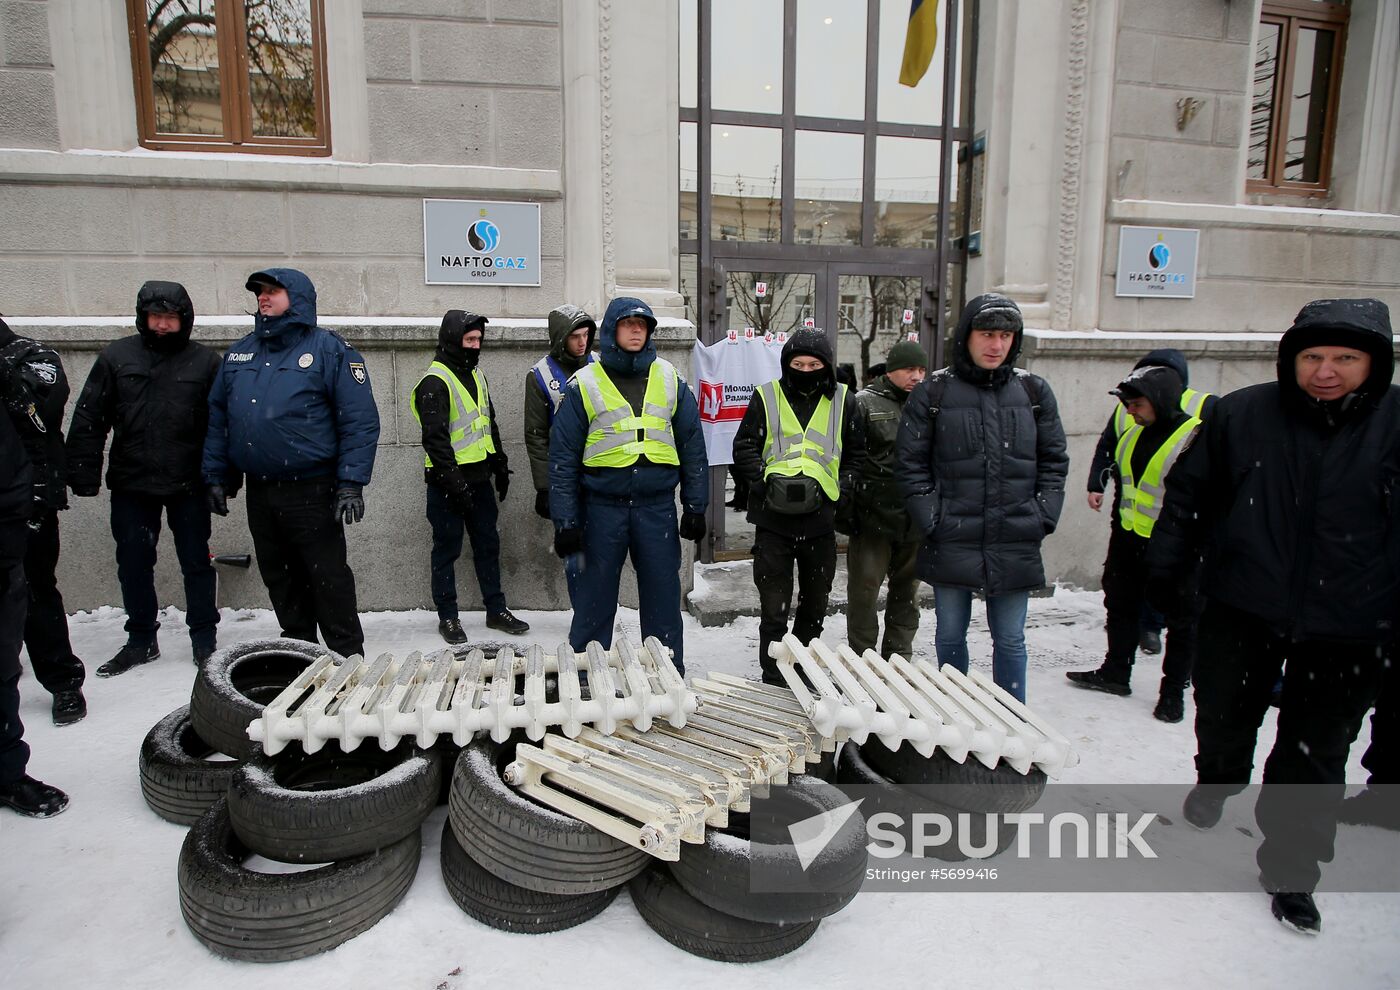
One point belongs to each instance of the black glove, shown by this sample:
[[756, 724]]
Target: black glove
[[568, 542], [542, 503], [693, 526], [459, 500], [349, 503], [501, 479], [216, 499], [84, 491]]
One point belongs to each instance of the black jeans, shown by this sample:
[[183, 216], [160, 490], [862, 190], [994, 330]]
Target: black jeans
[[136, 529], [300, 547], [1327, 689], [1124, 597], [774, 555], [448, 528], [46, 626], [14, 603]]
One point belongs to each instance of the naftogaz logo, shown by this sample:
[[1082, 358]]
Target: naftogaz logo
[[483, 236], [1159, 255]]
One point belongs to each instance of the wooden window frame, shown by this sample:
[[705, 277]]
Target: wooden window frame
[[234, 96], [1292, 16]]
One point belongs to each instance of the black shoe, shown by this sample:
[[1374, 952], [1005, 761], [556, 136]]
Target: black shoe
[[451, 630], [68, 707], [33, 798], [1150, 641], [130, 655], [1203, 806], [202, 653], [1373, 807], [1298, 911], [1097, 680], [1170, 707], [507, 623]]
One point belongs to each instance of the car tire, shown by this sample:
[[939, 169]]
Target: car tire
[[178, 779], [967, 785]]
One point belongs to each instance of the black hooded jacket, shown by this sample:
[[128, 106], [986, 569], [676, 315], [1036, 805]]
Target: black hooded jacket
[[31, 375], [1161, 386], [539, 410], [152, 393], [984, 478], [434, 405], [752, 435], [17, 431], [1101, 469], [1295, 502]]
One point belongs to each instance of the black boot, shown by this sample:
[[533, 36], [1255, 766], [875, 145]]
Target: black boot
[[1204, 806], [130, 655], [202, 652], [1298, 911], [451, 630], [1100, 680], [68, 707], [507, 623], [1150, 641], [33, 798], [1170, 705]]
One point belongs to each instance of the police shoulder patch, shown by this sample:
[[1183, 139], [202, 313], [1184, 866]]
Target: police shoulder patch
[[357, 372]]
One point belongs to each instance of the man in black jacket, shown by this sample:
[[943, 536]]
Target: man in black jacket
[[19, 386], [1290, 489], [151, 391], [464, 456], [981, 459], [38, 417], [1144, 453], [794, 486]]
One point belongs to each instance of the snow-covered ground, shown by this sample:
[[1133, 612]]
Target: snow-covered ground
[[89, 899]]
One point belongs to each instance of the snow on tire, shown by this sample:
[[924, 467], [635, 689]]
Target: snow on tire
[[178, 779], [968, 785], [968, 836], [699, 929], [236, 683], [317, 807], [526, 843], [718, 872], [506, 906], [275, 917]]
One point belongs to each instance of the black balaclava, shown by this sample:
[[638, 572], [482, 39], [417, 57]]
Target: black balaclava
[[455, 324], [809, 342]]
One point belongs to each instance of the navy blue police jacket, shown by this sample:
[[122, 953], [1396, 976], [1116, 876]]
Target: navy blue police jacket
[[291, 400]]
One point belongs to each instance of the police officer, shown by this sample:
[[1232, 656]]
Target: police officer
[[151, 390], [1143, 456], [626, 434], [18, 790], [291, 408], [884, 543], [35, 396], [463, 455], [799, 448]]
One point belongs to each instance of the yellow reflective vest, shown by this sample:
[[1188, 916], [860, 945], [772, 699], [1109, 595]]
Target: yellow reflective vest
[[790, 449], [616, 435], [470, 425], [1140, 499], [1191, 404]]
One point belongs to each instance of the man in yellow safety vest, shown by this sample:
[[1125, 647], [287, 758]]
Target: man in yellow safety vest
[[1145, 451], [462, 457]]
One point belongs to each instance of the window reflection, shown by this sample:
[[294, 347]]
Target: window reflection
[[185, 67], [746, 183], [827, 187], [281, 67], [1261, 111], [746, 57], [1312, 76], [831, 59], [906, 192]]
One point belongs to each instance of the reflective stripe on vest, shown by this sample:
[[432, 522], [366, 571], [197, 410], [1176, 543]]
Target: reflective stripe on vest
[[791, 449], [1191, 404], [551, 379], [470, 424], [1140, 501], [616, 435]]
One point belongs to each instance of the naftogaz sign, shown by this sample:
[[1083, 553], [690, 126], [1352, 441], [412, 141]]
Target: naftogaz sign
[[1157, 262], [480, 242]]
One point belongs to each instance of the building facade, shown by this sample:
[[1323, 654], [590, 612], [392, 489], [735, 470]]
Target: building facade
[[199, 140]]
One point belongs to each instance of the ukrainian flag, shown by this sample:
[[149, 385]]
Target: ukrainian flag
[[919, 41]]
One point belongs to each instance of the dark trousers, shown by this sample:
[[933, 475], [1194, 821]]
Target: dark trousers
[[14, 603], [136, 529], [1327, 689], [1382, 757], [1124, 596], [613, 532], [448, 528], [300, 546], [774, 556], [870, 558], [46, 626]]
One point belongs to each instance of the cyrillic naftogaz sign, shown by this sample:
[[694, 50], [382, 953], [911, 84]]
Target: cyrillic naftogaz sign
[[1157, 262]]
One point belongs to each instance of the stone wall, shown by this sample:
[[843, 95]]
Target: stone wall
[[389, 549]]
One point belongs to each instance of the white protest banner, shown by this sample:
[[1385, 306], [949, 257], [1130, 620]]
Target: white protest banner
[[726, 377]]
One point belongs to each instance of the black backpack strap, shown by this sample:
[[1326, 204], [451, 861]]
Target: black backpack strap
[[1032, 386], [937, 386]]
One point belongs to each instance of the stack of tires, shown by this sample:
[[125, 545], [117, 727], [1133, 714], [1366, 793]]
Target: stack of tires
[[903, 782], [347, 824]]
